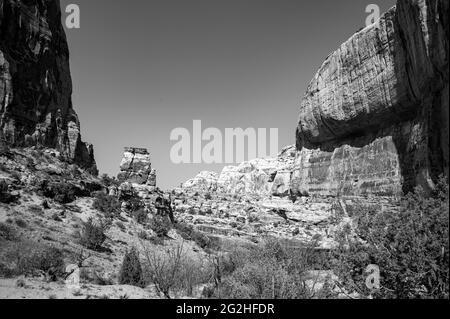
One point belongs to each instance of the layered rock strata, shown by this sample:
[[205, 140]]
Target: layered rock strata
[[136, 167], [374, 119], [35, 83]]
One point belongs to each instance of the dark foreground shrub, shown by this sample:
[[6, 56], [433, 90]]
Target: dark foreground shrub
[[268, 271], [131, 270], [61, 192], [410, 247], [174, 272], [160, 225], [140, 216], [93, 234], [188, 232], [108, 205], [5, 196], [8, 232], [30, 258]]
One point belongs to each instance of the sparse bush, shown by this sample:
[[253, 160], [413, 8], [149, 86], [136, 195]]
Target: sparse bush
[[61, 192], [121, 226], [163, 269], [160, 225], [173, 272], [271, 270], [135, 204], [411, 248], [93, 234], [35, 209], [131, 270], [89, 275], [8, 232], [29, 258], [6, 272], [143, 235], [187, 232], [140, 216], [109, 205], [108, 181], [21, 223], [5, 196]]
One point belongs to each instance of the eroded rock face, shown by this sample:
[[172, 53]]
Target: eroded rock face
[[268, 176], [35, 83], [375, 116], [136, 167]]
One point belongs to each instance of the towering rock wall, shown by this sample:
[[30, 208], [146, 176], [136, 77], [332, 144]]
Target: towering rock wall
[[374, 119], [35, 83]]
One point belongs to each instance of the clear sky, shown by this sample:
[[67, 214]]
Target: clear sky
[[141, 68]]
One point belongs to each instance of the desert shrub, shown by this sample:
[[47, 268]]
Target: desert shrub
[[410, 247], [109, 205], [30, 258], [131, 270], [121, 226], [93, 234], [6, 272], [95, 276], [188, 232], [8, 232], [163, 269], [173, 272], [194, 272], [5, 196], [140, 216], [36, 209], [160, 225], [135, 204], [108, 181], [21, 223], [271, 270], [61, 192], [16, 176]]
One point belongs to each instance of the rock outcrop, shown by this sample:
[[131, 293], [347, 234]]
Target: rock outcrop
[[136, 167], [35, 83], [268, 176], [374, 119]]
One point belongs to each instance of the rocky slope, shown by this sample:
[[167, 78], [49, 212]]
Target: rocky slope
[[35, 83]]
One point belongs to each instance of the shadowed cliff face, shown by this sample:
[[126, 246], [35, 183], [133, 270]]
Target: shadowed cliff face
[[35, 83], [374, 119]]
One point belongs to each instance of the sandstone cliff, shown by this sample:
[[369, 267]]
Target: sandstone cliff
[[374, 119], [35, 83]]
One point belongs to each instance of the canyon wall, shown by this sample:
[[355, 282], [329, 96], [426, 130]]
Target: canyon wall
[[35, 83], [374, 119]]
